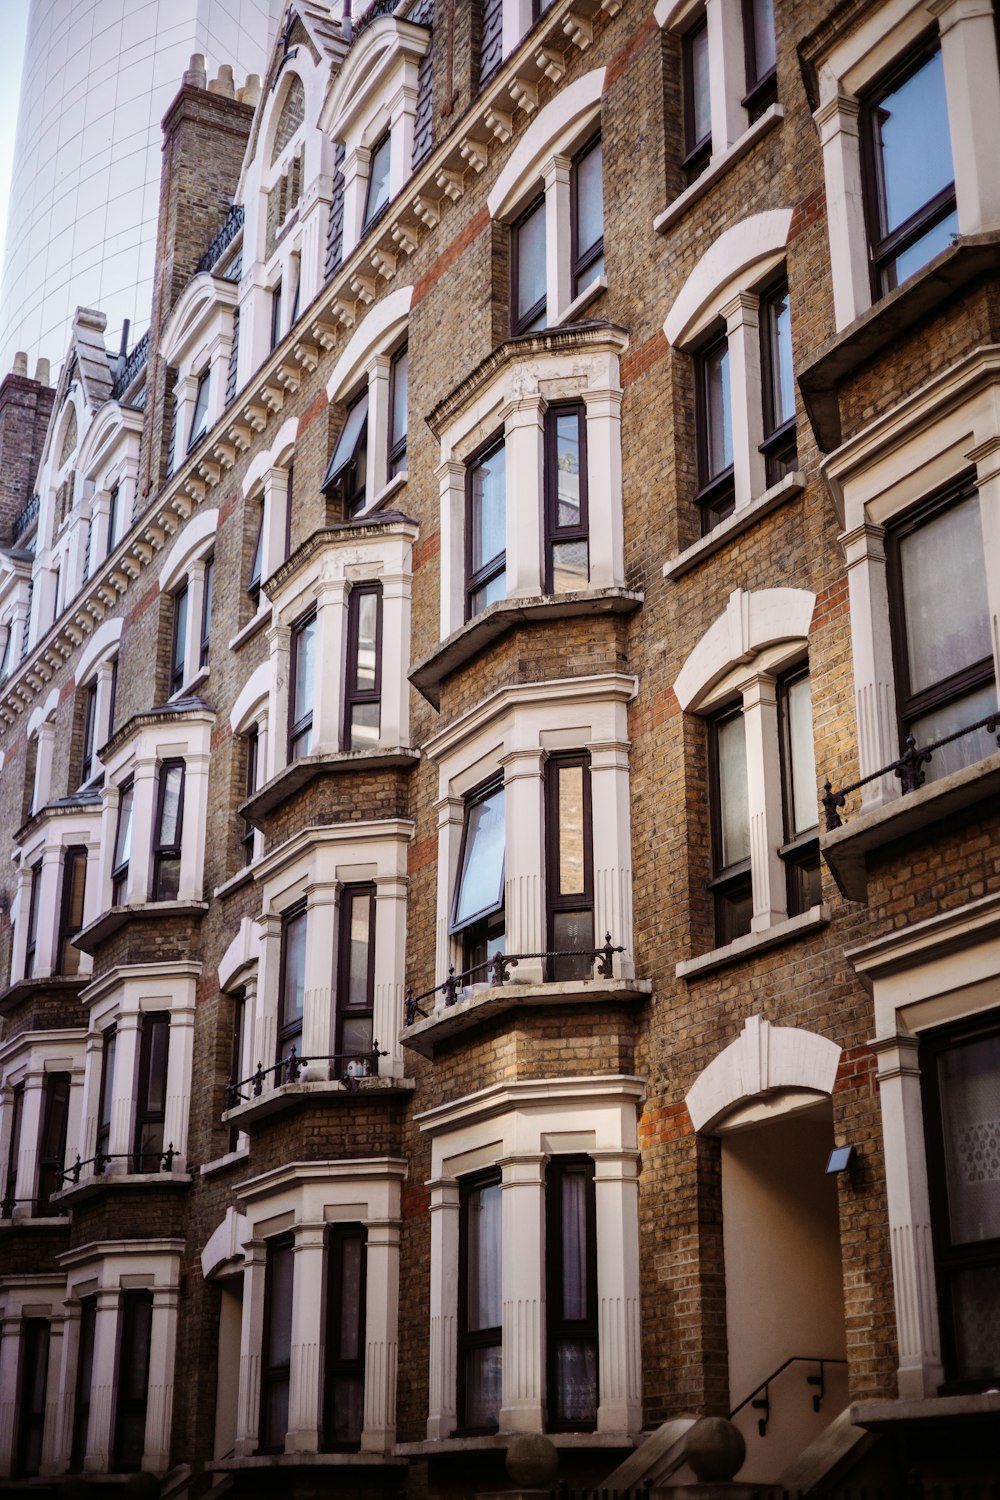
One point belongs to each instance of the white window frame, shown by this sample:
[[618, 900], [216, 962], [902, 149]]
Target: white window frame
[[512, 396], [266, 484], [198, 337], [517, 1127], [250, 711], [39, 1296], [972, 85], [47, 844], [940, 432], [512, 732], [109, 459], [366, 363], [28, 1058], [542, 160], [98, 660], [759, 636]]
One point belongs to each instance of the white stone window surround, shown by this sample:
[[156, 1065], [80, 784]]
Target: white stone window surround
[[923, 976], [517, 1127], [198, 337], [42, 727], [97, 662], [304, 1199], [104, 1270], [313, 866], [543, 160], [375, 91], [109, 459], [120, 998], [759, 635], [265, 484], [183, 736], [250, 711], [185, 563], [59, 546], [38, 1296], [327, 569], [47, 843], [27, 1059], [511, 396], [941, 431], [972, 86], [15, 595], [727, 67], [513, 731], [305, 238], [721, 289], [367, 361]]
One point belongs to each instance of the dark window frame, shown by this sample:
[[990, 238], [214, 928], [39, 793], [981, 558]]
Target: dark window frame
[[354, 696], [339, 1368], [884, 249], [288, 1031], [348, 482], [697, 153], [152, 1022], [554, 533], [276, 298], [113, 501], [68, 926], [557, 1327], [300, 729], [14, 1144], [119, 872], [52, 1140], [34, 913], [396, 456], [205, 638], [162, 852], [468, 1339], [178, 641], [494, 566], [373, 212], [716, 494], [365, 890], [84, 1382], [799, 852], [729, 884], [199, 412], [105, 1095], [522, 323], [272, 1374], [29, 1433], [133, 1403], [257, 560], [477, 931], [780, 447], [913, 705], [89, 732], [252, 751], [581, 261], [554, 902], [762, 88]]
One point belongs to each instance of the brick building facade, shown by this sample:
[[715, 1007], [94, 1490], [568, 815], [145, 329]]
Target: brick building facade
[[438, 1003]]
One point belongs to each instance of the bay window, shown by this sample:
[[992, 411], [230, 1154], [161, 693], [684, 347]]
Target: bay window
[[52, 1143], [71, 903], [347, 472], [528, 270], [731, 884], [292, 983], [569, 866], [167, 836], [910, 178], [151, 1099], [31, 1401], [132, 1382], [478, 910], [697, 100], [761, 59], [567, 552], [480, 1304], [587, 217], [486, 529], [714, 418], [942, 648], [346, 1291], [276, 1354], [778, 378], [363, 684], [356, 977], [300, 733], [571, 1294]]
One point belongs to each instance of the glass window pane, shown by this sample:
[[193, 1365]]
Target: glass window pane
[[305, 651], [570, 566], [574, 1244], [180, 632], [718, 411], [969, 1076], [734, 818], [572, 932], [156, 1087], [360, 919], [576, 1374], [782, 377], [356, 1041], [567, 459], [173, 782], [589, 201], [490, 593], [108, 1077], [400, 375], [365, 718], [294, 977], [802, 756], [976, 1305], [921, 251], [530, 261], [367, 637], [701, 104], [483, 1252], [763, 37], [279, 1322], [572, 871], [378, 180], [952, 716], [489, 509], [351, 1321], [351, 435], [482, 1387], [947, 629], [123, 842], [913, 143], [480, 886]]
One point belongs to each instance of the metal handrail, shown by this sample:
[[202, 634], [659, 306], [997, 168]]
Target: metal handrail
[[100, 1160], [291, 1066], [8, 1204], [907, 768], [759, 1398], [496, 968]]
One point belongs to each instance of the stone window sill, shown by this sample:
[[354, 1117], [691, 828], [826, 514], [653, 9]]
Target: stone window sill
[[502, 1440], [88, 1186], [89, 939], [388, 492], [488, 1002], [235, 882], [753, 943], [250, 629], [190, 688], [719, 167], [465, 643], [846, 849], [299, 773], [231, 1159], [51, 984], [294, 1095], [579, 304], [735, 525], [34, 1221], [267, 1461]]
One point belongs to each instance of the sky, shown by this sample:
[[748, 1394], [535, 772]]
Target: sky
[[13, 27]]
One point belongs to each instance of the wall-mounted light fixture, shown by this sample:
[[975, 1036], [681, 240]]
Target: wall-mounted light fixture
[[840, 1160]]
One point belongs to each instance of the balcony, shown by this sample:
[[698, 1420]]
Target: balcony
[[487, 991], [139, 1169], [846, 846], [293, 1081]]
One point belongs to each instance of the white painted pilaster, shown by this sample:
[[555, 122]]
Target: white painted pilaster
[[522, 1280], [442, 1400]]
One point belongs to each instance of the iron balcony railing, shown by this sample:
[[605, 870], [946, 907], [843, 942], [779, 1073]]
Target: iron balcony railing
[[25, 518], [8, 1204], [908, 768], [132, 367], [230, 229], [102, 1159], [496, 969], [356, 1066]]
